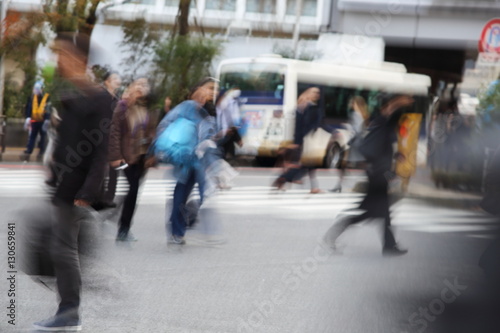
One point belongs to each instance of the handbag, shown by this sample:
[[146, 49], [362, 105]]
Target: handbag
[[314, 147]]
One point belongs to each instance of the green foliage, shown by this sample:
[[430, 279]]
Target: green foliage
[[21, 42], [489, 102], [24, 36], [13, 103], [182, 61], [65, 15], [140, 39]]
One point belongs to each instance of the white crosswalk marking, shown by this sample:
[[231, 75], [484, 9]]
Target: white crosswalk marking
[[296, 203]]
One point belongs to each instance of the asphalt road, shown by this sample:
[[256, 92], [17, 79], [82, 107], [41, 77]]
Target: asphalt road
[[270, 275]]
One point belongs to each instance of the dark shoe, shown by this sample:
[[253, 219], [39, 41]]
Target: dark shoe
[[100, 205], [109, 204], [125, 237], [59, 323], [336, 189], [24, 157], [51, 182], [177, 240], [39, 158], [279, 183], [394, 251]]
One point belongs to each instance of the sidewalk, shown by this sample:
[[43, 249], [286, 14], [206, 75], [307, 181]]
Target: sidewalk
[[12, 154], [422, 187]]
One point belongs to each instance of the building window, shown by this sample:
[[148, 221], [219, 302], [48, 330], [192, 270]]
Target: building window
[[261, 6], [229, 5], [175, 3], [308, 7]]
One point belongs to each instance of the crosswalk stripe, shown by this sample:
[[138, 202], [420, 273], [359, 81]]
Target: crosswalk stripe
[[294, 203]]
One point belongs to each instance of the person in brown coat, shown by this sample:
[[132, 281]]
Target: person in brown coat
[[132, 131]]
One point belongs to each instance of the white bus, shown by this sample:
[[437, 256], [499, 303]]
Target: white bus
[[270, 85]]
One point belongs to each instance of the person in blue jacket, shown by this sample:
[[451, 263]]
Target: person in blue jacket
[[199, 109]]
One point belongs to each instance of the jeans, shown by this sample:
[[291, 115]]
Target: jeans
[[36, 128], [134, 174], [181, 195]]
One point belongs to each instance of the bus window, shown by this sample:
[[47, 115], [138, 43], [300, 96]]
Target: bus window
[[334, 101], [259, 83]]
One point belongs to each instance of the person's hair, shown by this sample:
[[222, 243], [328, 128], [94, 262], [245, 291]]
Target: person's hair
[[305, 98], [200, 84], [108, 74], [79, 43], [363, 107]]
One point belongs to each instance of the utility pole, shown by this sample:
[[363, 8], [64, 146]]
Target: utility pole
[[296, 30]]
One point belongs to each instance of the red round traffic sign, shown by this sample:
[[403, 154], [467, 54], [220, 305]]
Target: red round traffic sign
[[490, 37]]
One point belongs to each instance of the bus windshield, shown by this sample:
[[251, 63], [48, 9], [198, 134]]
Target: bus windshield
[[259, 83]]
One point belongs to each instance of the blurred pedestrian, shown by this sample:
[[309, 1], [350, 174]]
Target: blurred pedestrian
[[378, 151], [80, 159], [37, 112], [111, 82], [308, 118], [358, 119], [132, 132], [198, 109], [48, 157], [229, 121]]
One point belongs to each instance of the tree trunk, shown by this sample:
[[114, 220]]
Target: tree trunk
[[183, 17]]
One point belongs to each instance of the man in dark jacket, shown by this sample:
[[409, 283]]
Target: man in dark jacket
[[80, 160], [379, 154]]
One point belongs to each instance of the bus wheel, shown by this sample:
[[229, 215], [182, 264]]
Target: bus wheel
[[333, 156], [265, 161]]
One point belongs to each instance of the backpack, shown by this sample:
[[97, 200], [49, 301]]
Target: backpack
[[176, 144]]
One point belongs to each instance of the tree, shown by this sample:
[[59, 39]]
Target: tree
[[179, 59], [182, 61], [182, 17], [489, 102], [138, 35], [66, 15], [25, 32]]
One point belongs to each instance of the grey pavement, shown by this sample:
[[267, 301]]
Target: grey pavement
[[271, 274]]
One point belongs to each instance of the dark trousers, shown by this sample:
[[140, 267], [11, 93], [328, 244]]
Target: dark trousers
[[64, 251], [36, 128], [134, 174], [375, 205], [109, 193], [181, 195], [293, 174]]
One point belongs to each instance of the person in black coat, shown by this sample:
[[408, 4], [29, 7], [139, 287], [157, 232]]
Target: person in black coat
[[80, 161], [308, 117], [379, 154]]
